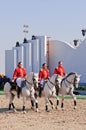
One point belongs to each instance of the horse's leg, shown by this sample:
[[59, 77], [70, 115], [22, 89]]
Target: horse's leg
[[13, 96], [74, 98], [34, 100], [62, 103], [35, 95], [57, 102], [24, 102], [32, 104], [11, 102], [52, 105], [47, 100]]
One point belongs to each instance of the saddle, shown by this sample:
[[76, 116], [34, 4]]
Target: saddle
[[42, 86], [23, 84], [13, 86]]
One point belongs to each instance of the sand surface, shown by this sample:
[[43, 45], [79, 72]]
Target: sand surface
[[69, 119]]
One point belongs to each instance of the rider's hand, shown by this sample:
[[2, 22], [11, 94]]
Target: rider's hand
[[12, 80]]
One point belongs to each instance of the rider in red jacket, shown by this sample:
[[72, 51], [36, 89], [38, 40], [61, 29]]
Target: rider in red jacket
[[19, 72], [18, 75], [43, 76], [60, 71], [44, 73]]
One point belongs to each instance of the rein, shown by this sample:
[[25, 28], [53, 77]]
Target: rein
[[55, 81], [69, 82], [52, 83], [28, 82], [49, 86], [34, 81], [65, 79]]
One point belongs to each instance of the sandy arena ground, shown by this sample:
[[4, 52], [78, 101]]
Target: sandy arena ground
[[69, 119]]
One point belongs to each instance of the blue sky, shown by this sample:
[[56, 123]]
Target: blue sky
[[59, 19]]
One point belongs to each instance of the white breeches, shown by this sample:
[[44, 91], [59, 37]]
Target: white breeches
[[18, 81], [42, 82]]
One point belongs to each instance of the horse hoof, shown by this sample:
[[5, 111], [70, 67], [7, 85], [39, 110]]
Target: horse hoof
[[47, 110], [57, 107], [52, 107], [32, 108], [24, 112], [14, 110], [75, 107], [62, 109], [37, 110]]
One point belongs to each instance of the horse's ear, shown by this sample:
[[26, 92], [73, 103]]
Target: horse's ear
[[80, 75], [26, 76]]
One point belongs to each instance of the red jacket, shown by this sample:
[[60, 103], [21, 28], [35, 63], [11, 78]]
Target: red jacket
[[19, 73], [44, 74], [60, 71]]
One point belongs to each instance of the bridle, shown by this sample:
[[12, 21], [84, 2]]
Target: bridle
[[55, 81], [28, 82], [33, 79], [73, 83]]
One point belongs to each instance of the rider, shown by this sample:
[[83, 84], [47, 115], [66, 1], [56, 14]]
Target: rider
[[43, 76], [60, 71], [18, 75]]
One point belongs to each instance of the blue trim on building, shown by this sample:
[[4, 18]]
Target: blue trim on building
[[82, 84]]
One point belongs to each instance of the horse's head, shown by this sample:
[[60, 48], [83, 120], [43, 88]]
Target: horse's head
[[73, 78], [35, 80], [32, 79], [76, 80]]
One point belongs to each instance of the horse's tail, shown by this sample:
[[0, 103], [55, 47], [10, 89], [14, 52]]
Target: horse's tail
[[7, 89]]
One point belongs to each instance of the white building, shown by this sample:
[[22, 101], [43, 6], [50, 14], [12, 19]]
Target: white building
[[42, 49]]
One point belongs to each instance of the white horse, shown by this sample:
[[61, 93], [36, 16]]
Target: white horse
[[67, 86], [49, 90], [27, 91]]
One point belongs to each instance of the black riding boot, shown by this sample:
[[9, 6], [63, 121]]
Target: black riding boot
[[18, 91], [57, 87], [57, 90], [40, 91]]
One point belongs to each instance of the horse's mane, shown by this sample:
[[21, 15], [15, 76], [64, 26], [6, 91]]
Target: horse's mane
[[71, 73], [31, 75]]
